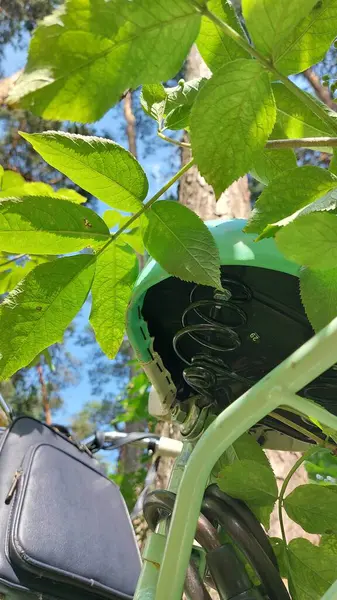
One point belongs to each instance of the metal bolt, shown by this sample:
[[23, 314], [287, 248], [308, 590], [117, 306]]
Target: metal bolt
[[254, 337]]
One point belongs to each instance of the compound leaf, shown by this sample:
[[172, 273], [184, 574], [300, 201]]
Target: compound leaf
[[313, 507], [195, 256], [312, 570], [319, 295], [246, 462], [153, 100], [116, 272], [310, 40], [288, 193], [215, 47], [85, 55], [296, 120], [46, 225], [310, 240], [231, 120], [36, 314], [99, 166], [271, 23]]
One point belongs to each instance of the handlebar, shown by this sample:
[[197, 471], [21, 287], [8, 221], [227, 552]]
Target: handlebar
[[112, 440]]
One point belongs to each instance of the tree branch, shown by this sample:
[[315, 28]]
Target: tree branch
[[130, 123], [6, 86], [44, 393], [322, 92], [316, 142]]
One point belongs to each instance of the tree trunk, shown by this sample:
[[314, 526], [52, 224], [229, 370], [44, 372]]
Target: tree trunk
[[44, 393], [129, 456], [130, 120], [194, 192]]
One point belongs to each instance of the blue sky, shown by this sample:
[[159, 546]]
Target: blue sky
[[157, 167]]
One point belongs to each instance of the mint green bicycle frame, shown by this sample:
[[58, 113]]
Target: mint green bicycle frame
[[166, 558]]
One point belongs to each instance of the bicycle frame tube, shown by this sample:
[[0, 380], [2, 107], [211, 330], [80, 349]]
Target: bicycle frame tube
[[278, 388], [146, 587]]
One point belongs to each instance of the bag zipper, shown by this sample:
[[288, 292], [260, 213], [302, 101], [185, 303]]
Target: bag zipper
[[13, 486]]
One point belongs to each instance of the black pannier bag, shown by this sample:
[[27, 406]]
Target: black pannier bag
[[65, 532]]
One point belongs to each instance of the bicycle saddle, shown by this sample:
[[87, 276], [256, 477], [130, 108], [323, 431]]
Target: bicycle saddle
[[194, 340]]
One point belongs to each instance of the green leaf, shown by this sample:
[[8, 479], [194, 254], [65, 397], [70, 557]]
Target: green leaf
[[288, 193], [268, 164], [333, 162], [244, 448], [313, 507], [134, 239], [251, 482], [43, 356], [271, 163], [116, 272], [134, 236], [99, 166], [69, 194], [327, 203], [312, 570], [37, 188], [45, 225], [296, 120], [319, 296], [49, 361], [36, 314], [230, 122], [178, 118], [246, 461], [11, 179], [13, 184], [179, 102], [195, 257], [9, 279], [271, 23], [215, 47], [310, 240], [329, 543], [4, 264], [311, 39], [84, 56], [183, 94], [26, 189], [14, 273], [113, 218], [153, 100]]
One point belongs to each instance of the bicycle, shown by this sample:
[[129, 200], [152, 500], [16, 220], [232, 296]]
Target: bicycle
[[241, 381], [215, 369]]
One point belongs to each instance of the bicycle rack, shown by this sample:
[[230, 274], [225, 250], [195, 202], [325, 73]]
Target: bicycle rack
[[166, 559]]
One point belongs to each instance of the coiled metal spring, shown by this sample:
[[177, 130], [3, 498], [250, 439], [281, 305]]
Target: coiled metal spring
[[212, 325]]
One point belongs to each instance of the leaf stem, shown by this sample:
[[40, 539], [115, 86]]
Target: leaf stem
[[293, 469], [172, 141], [148, 204], [316, 142], [309, 142], [234, 35]]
